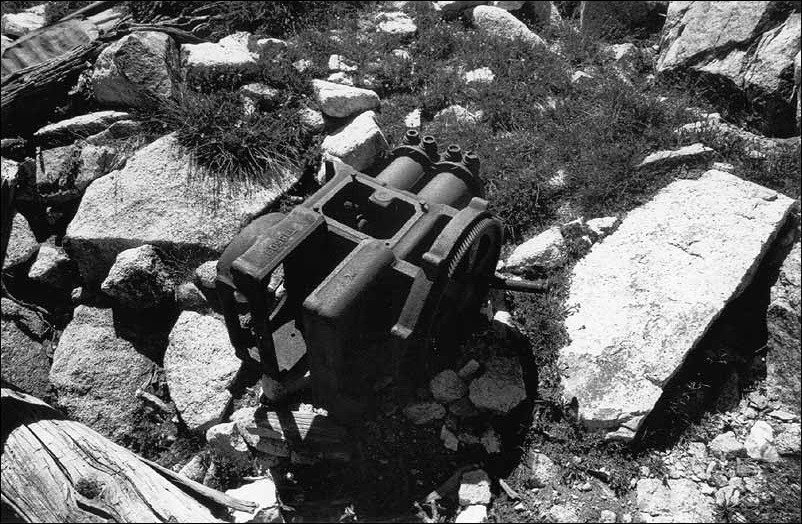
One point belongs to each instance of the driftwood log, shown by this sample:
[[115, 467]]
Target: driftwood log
[[57, 470]]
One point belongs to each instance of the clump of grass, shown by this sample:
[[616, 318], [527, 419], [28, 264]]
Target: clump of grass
[[236, 147]]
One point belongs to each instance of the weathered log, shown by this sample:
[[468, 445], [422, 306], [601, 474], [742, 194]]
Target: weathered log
[[57, 470]]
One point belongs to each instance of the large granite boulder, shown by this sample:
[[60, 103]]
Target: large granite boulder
[[22, 244], [784, 359], [678, 500], [746, 49], [24, 360], [96, 373], [27, 20], [137, 69], [155, 200], [200, 365], [641, 299]]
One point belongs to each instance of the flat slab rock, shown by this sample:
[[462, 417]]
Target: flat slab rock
[[650, 291]]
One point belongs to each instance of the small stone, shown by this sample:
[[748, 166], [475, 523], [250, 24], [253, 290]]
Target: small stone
[[206, 275], [450, 440], [396, 23], [544, 471], [501, 387], [563, 513], [261, 95], [340, 63], [263, 492], [473, 513], [401, 54], [601, 227], [54, 268], [139, 279], [312, 120], [787, 441], [358, 144], [412, 120], [491, 441], [483, 75], [468, 370], [580, 78], [22, 244], [190, 298], [195, 469], [546, 250], [687, 154], [270, 47], [456, 114], [759, 443], [302, 65], [447, 387], [227, 444], [424, 412], [607, 516], [697, 449], [519, 507], [644, 471], [340, 101], [341, 78], [475, 488], [728, 496], [722, 166], [587, 486]]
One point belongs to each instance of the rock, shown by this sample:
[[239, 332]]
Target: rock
[[679, 501], [189, 298], [4, 42], [340, 101], [139, 279], [447, 387], [783, 361], [413, 119], [22, 244], [636, 316], [601, 227], [491, 441], [358, 143], [728, 496], [505, 326], [341, 64], [24, 360], [546, 250], [483, 75], [116, 131], [474, 488], [396, 23], [302, 65], [262, 96], [607, 516], [27, 20], [626, 57], [759, 443], [581, 78], [726, 445], [340, 78], [472, 513], [598, 18], [56, 172], [312, 120], [232, 53], [563, 513], [157, 202], [270, 47], [502, 25], [501, 387], [542, 470], [54, 268], [722, 166], [467, 371], [67, 131], [263, 492], [96, 373], [195, 469], [206, 275], [401, 54], [228, 446], [450, 440], [424, 412], [747, 47], [199, 365], [788, 440], [137, 69], [456, 114], [694, 153]]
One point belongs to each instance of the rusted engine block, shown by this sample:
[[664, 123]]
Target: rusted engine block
[[372, 267]]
